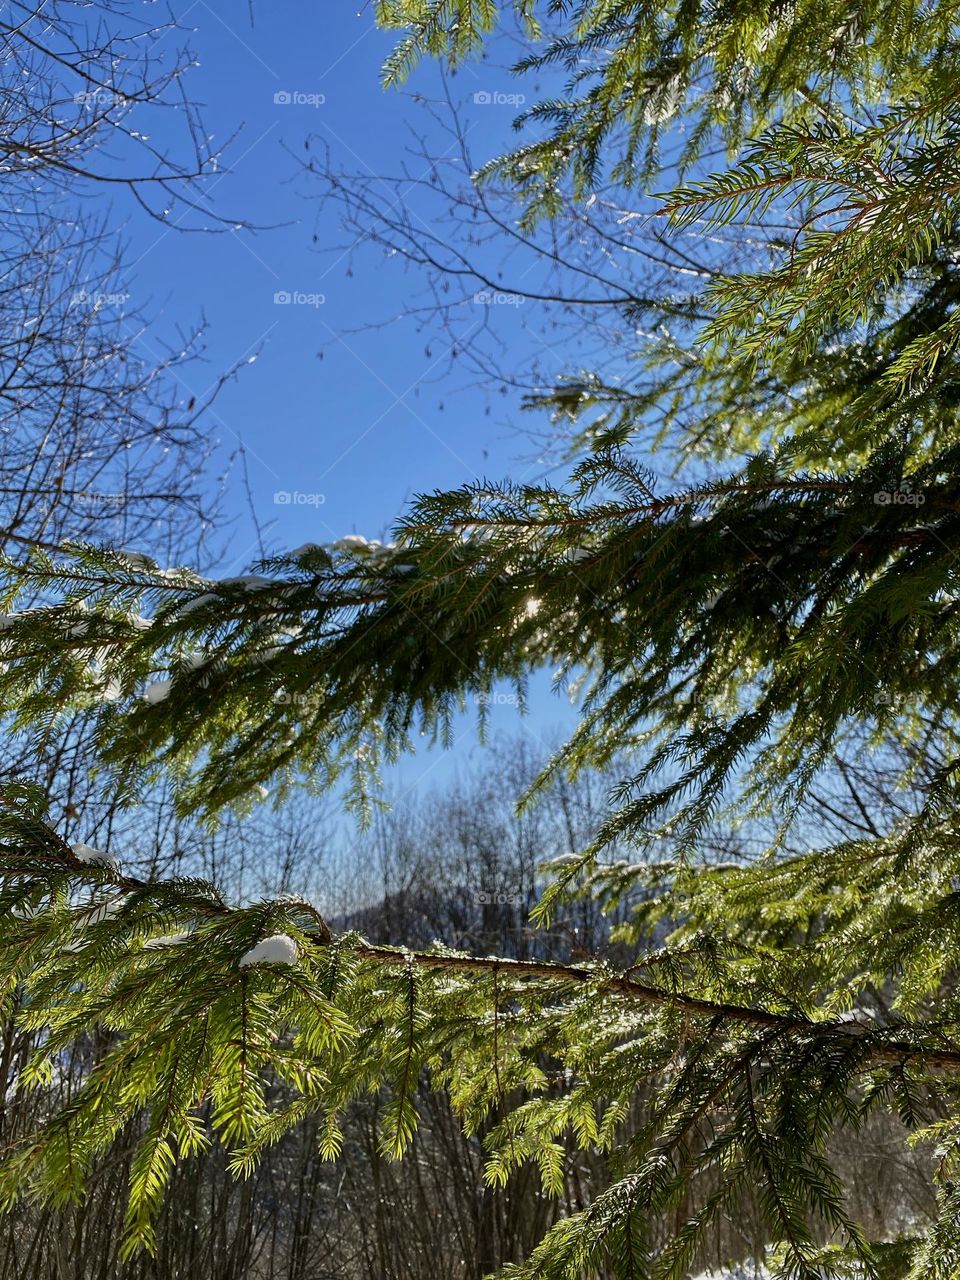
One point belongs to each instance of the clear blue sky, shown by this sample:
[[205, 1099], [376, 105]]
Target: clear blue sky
[[362, 426]]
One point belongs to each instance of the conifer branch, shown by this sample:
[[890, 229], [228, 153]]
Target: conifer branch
[[877, 1048]]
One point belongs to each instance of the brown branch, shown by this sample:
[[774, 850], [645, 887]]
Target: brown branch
[[892, 1053]]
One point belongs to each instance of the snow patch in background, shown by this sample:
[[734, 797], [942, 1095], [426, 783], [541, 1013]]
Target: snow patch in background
[[740, 1271], [167, 940]]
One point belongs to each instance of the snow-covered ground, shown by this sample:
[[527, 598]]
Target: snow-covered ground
[[741, 1271]]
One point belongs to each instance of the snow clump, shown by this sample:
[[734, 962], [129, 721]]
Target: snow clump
[[93, 857], [158, 691], [277, 949]]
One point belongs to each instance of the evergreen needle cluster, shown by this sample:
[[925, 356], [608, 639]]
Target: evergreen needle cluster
[[778, 585]]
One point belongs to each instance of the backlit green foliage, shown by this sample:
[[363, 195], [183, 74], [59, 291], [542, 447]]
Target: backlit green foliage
[[774, 587]]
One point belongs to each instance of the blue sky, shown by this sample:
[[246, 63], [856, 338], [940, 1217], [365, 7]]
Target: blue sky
[[350, 420], [360, 424]]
